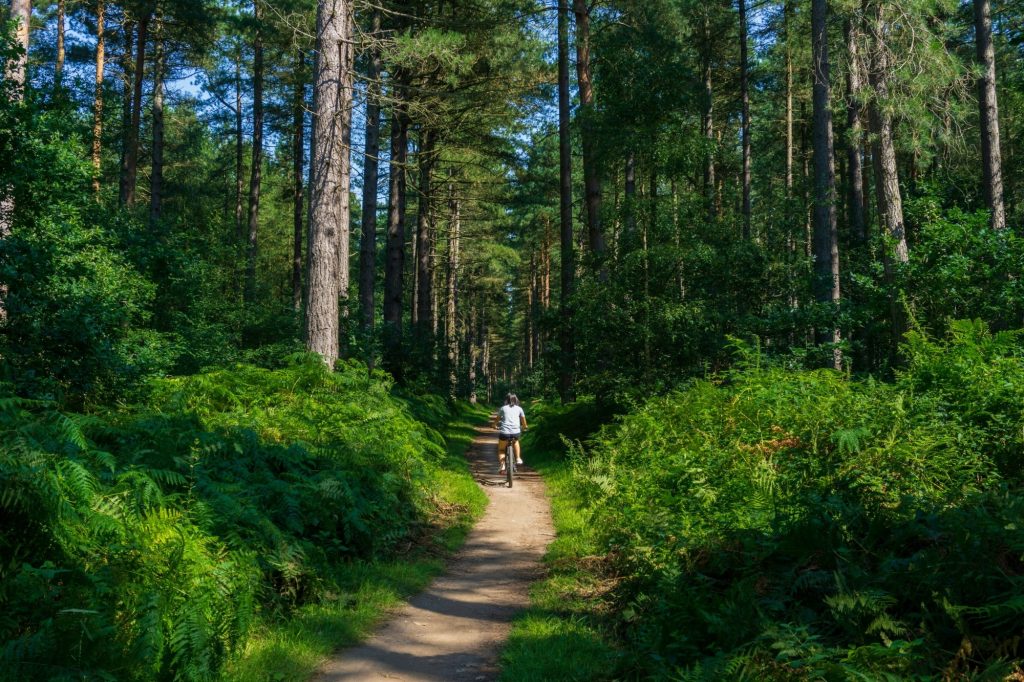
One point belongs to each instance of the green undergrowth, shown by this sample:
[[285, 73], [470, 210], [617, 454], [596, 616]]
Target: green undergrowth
[[270, 512], [773, 524], [564, 634], [291, 649]]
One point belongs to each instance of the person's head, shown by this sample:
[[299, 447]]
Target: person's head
[[511, 399]]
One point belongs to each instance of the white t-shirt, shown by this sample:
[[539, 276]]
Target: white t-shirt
[[508, 419]]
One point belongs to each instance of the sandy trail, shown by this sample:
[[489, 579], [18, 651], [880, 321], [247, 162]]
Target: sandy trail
[[455, 629]]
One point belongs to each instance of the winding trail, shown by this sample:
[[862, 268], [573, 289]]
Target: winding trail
[[454, 630]]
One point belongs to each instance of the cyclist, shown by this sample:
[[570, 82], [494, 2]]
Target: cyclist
[[511, 422]]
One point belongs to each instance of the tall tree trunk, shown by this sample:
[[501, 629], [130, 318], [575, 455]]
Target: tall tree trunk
[[988, 115], [854, 171], [745, 115], [395, 248], [890, 203], [256, 170], [787, 9], [568, 360], [345, 154], [591, 178], [709, 126], [130, 170], [826, 242], [156, 178], [451, 318], [329, 219], [629, 202], [127, 80], [424, 266], [97, 102], [17, 72], [371, 150], [239, 151], [58, 71], [298, 147]]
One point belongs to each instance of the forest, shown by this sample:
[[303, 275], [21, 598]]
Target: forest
[[755, 270]]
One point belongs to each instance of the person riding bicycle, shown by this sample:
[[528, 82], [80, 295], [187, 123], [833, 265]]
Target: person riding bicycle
[[511, 422]]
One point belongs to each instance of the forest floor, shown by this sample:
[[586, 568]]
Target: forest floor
[[455, 629]]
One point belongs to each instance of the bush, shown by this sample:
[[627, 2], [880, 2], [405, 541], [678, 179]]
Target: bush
[[152, 535], [802, 525]]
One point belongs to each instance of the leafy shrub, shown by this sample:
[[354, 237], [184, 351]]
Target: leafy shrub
[[802, 525], [139, 545]]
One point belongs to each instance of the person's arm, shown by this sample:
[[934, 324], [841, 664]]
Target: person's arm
[[522, 420]]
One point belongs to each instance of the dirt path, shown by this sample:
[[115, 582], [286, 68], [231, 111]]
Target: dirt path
[[454, 630]]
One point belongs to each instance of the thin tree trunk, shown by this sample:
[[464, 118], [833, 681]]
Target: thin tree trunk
[[256, 170], [156, 178], [127, 79], [395, 255], [329, 220], [451, 335], [239, 151], [298, 146], [17, 72], [629, 202], [567, 361], [890, 203], [97, 103], [424, 266], [789, 104], [745, 115], [988, 115], [371, 150], [131, 155], [58, 71], [826, 242], [591, 178], [854, 171], [129, 170], [708, 126], [345, 154]]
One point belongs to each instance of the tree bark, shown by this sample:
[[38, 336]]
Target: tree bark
[[451, 317], [826, 242], [17, 72], [298, 146], [745, 117], [890, 203], [371, 150], [629, 201], [329, 219], [855, 134], [130, 170], [395, 247], [591, 177], [424, 266], [239, 151], [988, 115], [156, 178], [789, 104], [567, 361], [345, 157], [256, 169], [708, 126], [58, 71], [97, 102]]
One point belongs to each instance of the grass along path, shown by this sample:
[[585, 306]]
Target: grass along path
[[291, 649]]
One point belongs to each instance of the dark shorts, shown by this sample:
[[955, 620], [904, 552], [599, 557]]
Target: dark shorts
[[513, 437]]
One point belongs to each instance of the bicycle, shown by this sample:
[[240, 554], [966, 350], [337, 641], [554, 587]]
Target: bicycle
[[510, 459]]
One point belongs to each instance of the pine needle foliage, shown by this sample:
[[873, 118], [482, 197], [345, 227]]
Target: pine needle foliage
[[799, 525], [141, 544]]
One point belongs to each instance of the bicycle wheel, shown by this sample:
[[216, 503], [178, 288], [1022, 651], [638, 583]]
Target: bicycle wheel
[[510, 462]]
